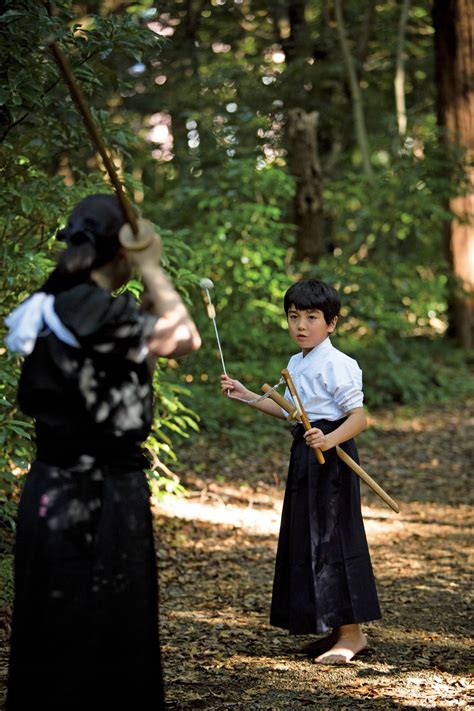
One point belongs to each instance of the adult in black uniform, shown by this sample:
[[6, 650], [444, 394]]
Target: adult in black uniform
[[85, 619]]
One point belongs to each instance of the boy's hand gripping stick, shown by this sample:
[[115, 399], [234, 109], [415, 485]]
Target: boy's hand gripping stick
[[356, 468], [302, 413]]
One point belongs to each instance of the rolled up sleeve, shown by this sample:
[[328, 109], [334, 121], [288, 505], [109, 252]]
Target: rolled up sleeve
[[344, 382]]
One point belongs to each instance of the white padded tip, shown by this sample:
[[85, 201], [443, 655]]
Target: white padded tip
[[206, 284]]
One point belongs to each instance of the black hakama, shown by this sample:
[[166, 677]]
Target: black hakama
[[85, 621], [323, 574]]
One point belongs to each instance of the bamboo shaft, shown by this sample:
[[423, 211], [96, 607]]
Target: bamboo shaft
[[356, 468], [283, 402], [304, 417], [83, 107], [280, 400]]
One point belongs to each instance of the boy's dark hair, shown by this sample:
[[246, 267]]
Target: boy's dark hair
[[312, 294]]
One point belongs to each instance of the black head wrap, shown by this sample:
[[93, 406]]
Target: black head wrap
[[96, 220]]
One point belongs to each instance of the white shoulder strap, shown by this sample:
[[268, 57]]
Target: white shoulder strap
[[29, 318]]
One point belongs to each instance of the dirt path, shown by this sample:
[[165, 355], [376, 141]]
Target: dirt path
[[216, 554]]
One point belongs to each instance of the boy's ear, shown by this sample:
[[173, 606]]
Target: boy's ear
[[332, 325]]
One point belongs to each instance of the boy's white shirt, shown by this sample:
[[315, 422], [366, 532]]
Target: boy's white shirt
[[328, 382]]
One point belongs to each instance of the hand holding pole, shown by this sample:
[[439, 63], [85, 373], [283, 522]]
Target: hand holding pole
[[342, 454]]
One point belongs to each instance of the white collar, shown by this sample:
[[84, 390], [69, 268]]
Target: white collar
[[321, 348], [29, 318]]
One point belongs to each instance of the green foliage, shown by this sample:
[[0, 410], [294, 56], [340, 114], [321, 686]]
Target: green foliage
[[172, 416], [234, 226], [415, 370], [162, 485]]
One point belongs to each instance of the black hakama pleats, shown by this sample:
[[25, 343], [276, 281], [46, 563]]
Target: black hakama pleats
[[323, 574], [85, 619]]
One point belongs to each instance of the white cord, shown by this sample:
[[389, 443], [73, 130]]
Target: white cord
[[257, 399]]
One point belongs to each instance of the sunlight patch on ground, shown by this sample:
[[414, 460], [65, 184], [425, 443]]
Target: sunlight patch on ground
[[263, 521]]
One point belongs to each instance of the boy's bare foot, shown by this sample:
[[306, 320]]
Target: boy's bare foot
[[349, 641], [318, 646]]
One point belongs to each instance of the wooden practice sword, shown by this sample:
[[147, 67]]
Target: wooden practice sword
[[356, 468]]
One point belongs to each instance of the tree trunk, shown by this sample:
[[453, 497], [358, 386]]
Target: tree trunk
[[298, 38], [301, 134], [302, 131], [364, 37], [357, 105], [399, 81], [454, 52]]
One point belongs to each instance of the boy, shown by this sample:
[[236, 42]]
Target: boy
[[323, 575]]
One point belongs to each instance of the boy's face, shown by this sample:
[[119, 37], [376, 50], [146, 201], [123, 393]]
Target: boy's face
[[308, 328]]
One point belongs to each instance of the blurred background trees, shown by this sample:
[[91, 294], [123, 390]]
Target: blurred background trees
[[268, 141], [454, 46]]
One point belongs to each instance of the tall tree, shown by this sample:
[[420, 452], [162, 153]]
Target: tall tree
[[302, 132], [399, 81], [358, 109], [454, 51], [303, 161]]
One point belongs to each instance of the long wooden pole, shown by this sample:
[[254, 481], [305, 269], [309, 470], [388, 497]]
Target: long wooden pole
[[135, 235], [356, 468], [81, 103]]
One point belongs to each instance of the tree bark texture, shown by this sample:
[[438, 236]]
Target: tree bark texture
[[301, 135], [454, 52], [302, 131]]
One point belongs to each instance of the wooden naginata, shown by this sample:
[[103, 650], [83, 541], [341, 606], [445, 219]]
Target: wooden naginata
[[136, 234]]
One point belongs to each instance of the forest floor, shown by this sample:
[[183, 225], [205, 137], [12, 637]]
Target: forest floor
[[216, 551]]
